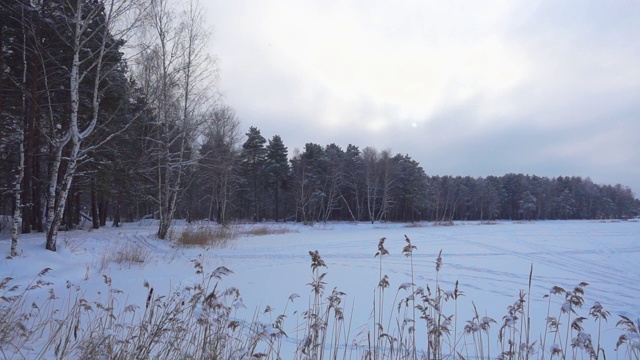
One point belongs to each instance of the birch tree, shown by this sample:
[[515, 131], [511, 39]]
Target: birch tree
[[95, 31], [177, 73], [372, 180], [388, 178], [218, 161]]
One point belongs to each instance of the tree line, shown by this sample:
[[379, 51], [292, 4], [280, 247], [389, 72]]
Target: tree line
[[322, 183], [109, 113]]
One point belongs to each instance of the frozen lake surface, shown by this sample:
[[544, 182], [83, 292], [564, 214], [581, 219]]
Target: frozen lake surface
[[492, 264]]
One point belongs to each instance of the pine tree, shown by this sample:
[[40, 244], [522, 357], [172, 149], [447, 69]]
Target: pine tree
[[308, 170], [409, 192], [353, 182], [277, 170], [528, 205], [253, 161]]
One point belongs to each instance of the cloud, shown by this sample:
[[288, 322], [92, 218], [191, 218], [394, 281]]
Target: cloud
[[537, 87]]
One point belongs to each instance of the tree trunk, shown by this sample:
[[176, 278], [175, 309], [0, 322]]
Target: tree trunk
[[17, 212], [58, 203], [28, 149], [276, 200], [116, 215], [95, 214], [103, 210], [38, 210], [256, 216], [163, 229], [17, 209], [75, 207]]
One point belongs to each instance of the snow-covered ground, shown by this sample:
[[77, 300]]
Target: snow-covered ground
[[491, 262]]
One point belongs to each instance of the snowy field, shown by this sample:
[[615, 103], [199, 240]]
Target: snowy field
[[492, 264]]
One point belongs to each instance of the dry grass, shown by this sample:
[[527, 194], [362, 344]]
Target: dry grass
[[126, 253], [19, 319], [219, 236], [261, 230], [197, 322], [444, 223], [488, 222], [415, 225], [204, 321], [205, 235]]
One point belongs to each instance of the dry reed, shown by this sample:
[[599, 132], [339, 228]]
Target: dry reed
[[205, 321]]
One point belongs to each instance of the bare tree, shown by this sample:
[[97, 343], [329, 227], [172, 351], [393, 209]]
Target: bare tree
[[388, 178], [219, 156], [372, 180], [176, 72]]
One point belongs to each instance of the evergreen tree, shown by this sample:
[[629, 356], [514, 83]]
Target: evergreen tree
[[527, 205], [253, 160], [277, 170], [308, 170], [565, 205], [410, 191], [353, 185], [488, 198], [512, 188]]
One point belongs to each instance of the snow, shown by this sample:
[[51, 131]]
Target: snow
[[272, 272]]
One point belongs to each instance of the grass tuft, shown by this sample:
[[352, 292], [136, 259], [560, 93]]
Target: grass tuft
[[415, 225], [219, 236], [125, 253], [266, 230], [205, 235]]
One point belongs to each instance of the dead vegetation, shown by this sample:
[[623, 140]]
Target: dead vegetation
[[219, 236]]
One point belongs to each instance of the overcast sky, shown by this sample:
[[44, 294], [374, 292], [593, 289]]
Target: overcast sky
[[478, 88]]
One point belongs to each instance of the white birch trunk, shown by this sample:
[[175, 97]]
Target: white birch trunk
[[57, 203], [58, 199], [54, 225]]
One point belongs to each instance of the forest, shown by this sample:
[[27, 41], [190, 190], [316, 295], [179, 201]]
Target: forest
[[110, 113]]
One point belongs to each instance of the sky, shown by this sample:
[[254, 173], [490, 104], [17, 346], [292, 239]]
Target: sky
[[464, 87]]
